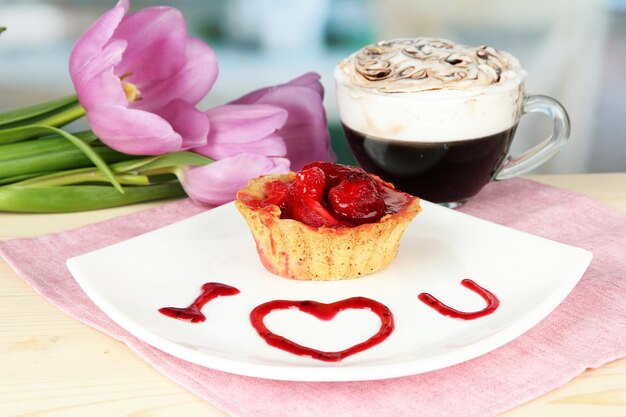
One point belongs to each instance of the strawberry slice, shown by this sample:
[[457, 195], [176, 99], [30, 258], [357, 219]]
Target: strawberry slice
[[309, 182], [275, 193], [311, 212], [305, 197], [335, 173], [357, 199]]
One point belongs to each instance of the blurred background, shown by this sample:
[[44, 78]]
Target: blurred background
[[573, 50]]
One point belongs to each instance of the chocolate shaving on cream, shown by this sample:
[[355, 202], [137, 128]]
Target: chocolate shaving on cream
[[408, 65]]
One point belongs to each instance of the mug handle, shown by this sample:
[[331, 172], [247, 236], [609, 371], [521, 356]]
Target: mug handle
[[537, 155]]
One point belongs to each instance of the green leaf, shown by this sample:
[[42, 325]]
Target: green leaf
[[132, 165], [84, 147], [167, 160], [176, 159], [2, 29], [29, 115], [80, 197]]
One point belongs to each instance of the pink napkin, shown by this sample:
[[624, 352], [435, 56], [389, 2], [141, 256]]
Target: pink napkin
[[587, 330]]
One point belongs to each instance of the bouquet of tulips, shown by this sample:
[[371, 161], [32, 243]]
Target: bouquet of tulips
[[138, 78]]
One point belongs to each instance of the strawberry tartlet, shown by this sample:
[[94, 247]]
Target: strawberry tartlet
[[326, 222]]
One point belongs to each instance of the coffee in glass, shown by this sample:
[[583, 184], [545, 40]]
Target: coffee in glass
[[437, 118]]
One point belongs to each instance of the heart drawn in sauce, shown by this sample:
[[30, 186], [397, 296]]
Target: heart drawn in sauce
[[323, 312]]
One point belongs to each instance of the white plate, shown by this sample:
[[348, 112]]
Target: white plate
[[131, 280]]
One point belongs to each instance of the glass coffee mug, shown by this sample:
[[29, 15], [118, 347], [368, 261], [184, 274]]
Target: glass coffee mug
[[437, 119]]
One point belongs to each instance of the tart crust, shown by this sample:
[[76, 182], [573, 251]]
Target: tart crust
[[295, 250]]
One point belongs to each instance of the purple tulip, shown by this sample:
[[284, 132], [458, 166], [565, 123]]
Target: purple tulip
[[217, 183], [305, 131], [139, 77], [271, 130]]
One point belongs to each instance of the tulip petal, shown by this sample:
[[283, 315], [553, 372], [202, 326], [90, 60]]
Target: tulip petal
[[309, 80], [271, 145], [233, 123], [96, 84], [218, 183], [156, 39], [305, 132], [133, 132], [91, 43], [191, 83], [190, 123]]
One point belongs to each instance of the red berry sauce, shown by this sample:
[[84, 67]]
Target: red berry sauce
[[193, 313], [323, 312], [491, 300]]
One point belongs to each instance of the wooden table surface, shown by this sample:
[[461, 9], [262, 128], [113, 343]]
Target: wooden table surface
[[53, 365]]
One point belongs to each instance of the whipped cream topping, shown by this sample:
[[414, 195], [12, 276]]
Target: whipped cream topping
[[429, 90], [407, 65]]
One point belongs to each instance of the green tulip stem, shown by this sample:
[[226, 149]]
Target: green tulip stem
[[158, 171], [50, 199], [83, 146], [38, 112], [61, 119], [42, 146], [17, 178], [78, 176], [55, 161]]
